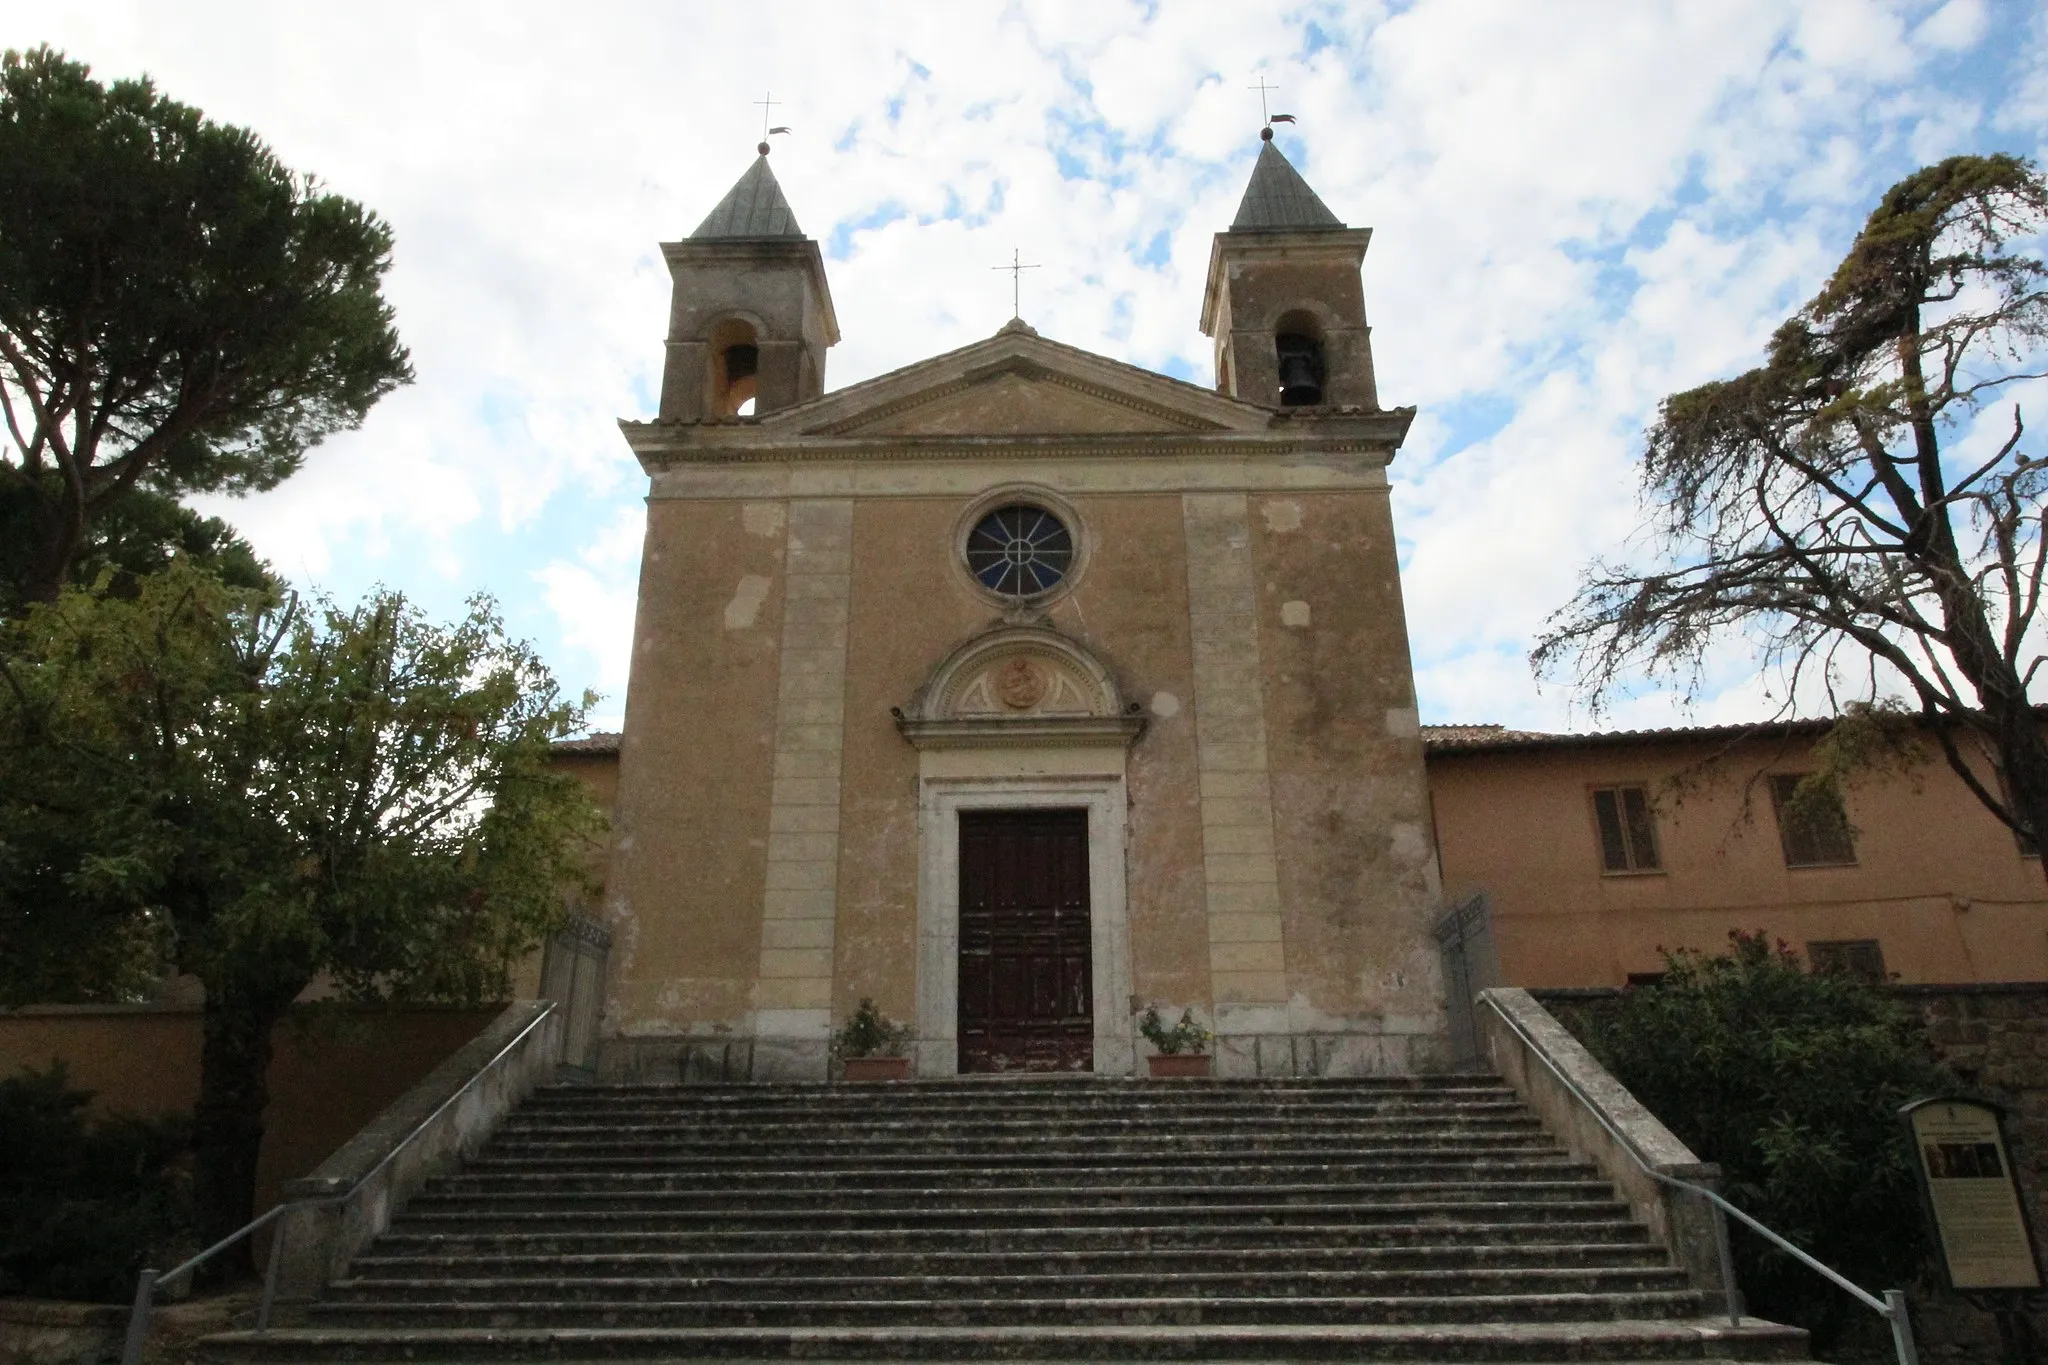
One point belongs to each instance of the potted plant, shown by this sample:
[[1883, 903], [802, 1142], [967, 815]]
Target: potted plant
[[1181, 1048], [870, 1047]]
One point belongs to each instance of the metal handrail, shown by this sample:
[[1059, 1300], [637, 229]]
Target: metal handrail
[[147, 1281], [1892, 1307]]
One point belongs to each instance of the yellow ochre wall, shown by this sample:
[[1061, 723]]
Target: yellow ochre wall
[[1938, 881], [334, 1068]]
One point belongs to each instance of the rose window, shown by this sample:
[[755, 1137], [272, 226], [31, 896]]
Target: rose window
[[1020, 551]]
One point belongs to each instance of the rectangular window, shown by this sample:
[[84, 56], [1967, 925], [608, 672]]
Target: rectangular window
[[1628, 836], [1857, 957], [1811, 837]]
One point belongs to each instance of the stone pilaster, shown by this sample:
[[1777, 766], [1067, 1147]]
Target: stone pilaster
[[1247, 960], [793, 997]]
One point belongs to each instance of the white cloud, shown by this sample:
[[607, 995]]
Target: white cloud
[[1956, 25]]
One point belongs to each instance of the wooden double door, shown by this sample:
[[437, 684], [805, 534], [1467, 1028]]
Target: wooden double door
[[1026, 985]]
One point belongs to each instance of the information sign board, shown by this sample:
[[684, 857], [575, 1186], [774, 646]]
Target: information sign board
[[1967, 1176]]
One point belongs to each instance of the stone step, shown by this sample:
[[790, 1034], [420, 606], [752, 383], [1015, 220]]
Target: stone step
[[1330, 1106], [690, 1148], [1336, 1202], [1018, 1219], [657, 1285], [490, 1179], [1038, 1085], [845, 1127], [749, 1166], [1186, 1310], [1124, 1221], [470, 1261], [546, 1234], [1710, 1341]]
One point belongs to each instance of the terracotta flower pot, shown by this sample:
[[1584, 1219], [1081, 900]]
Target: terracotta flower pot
[[1179, 1066], [878, 1068]]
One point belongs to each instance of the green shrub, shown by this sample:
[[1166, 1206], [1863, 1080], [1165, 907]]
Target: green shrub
[[870, 1033], [84, 1205], [1186, 1036], [1792, 1081]]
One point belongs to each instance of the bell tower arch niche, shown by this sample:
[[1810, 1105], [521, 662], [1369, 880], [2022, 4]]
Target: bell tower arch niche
[[734, 370], [1019, 719], [1298, 354], [750, 313]]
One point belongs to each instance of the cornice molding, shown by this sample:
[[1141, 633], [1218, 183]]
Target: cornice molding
[[1049, 732], [660, 445]]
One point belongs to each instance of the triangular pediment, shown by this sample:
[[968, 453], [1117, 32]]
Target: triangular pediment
[[1017, 383]]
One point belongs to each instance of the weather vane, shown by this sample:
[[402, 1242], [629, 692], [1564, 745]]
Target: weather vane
[[768, 103], [1016, 267], [1266, 132]]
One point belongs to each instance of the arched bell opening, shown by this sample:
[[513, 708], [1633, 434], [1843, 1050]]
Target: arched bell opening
[[1298, 348], [735, 368]]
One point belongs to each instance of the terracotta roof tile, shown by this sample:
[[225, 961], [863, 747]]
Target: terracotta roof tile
[[598, 742]]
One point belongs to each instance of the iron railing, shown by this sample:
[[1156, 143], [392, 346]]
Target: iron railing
[[147, 1281], [1892, 1307]]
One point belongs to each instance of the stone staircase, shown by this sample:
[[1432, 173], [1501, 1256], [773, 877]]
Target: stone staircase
[[1018, 1219]]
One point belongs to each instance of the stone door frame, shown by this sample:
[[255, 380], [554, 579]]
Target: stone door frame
[[940, 801]]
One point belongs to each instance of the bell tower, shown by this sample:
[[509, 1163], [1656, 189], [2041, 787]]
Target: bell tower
[[751, 315], [1284, 301]]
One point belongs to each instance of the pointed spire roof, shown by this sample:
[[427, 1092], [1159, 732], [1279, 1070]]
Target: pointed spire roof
[[753, 208], [1278, 198]]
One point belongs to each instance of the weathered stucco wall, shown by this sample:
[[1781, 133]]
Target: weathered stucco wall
[[907, 612], [1937, 881], [1132, 610], [1349, 804], [1319, 782], [689, 852]]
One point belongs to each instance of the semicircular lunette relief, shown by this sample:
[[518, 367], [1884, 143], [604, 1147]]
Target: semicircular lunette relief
[[1022, 684]]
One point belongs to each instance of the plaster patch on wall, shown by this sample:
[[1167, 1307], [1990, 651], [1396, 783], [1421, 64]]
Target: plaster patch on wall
[[1294, 613], [1404, 722], [1407, 843], [1165, 704], [746, 602], [762, 518], [1282, 516]]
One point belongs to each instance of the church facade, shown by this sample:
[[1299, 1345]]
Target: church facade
[[1020, 689]]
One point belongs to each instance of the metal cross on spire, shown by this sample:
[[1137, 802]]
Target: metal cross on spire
[[1016, 267], [768, 103], [1266, 114], [1264, 89]]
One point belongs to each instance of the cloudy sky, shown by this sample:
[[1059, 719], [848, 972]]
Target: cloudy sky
[[1578, 207]]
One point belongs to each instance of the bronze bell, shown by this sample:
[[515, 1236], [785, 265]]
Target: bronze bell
[[1301, 371], [740, 362]]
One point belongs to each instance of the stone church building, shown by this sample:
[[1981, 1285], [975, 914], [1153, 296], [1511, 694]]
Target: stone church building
[[1020, 689]]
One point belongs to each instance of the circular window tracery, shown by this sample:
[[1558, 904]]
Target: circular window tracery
[[1020, 551]]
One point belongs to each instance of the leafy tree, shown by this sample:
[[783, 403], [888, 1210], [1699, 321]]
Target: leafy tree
[[138, 533], [1810, 503], [1791, 1081], [263, 794], [179, 312], [83, 1205]]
